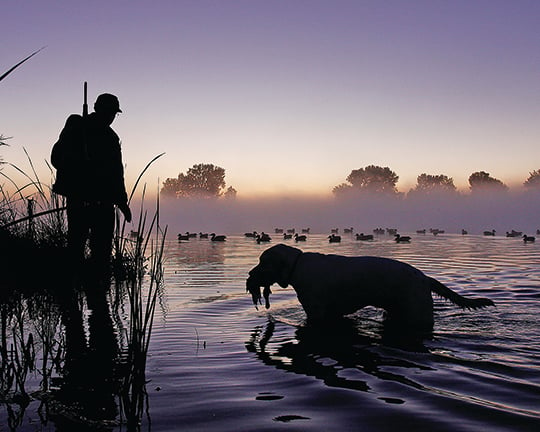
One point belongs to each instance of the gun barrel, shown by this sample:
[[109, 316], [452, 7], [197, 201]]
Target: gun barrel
[[85, 114], [85, 103]]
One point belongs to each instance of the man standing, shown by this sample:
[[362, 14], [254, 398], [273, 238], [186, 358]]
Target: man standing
[[90, 174]]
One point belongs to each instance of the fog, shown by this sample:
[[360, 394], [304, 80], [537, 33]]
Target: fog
[[504, 212]]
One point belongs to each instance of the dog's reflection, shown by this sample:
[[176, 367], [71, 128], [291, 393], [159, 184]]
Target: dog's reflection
[[325, 351]]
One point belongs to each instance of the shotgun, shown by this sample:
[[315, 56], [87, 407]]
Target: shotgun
[[85, 115]]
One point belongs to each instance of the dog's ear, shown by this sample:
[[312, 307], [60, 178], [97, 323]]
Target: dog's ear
[[283, 259], [275, 270]]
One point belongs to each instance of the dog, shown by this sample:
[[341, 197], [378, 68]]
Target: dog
[[331, 286]]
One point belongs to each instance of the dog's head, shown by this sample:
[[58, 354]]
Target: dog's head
[[275, 266]]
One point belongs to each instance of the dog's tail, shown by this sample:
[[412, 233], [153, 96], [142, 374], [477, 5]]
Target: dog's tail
[[459, 300]]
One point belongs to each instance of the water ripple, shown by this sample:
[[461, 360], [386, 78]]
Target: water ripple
[[229, 367]]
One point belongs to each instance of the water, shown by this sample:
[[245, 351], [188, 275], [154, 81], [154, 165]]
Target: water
[[215, 363], [218, 364]]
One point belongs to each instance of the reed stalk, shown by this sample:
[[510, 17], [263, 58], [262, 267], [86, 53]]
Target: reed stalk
[[5, 74], [144, 283]]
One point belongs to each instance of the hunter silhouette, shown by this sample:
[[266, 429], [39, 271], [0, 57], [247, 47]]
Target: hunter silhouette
[[90, 174]]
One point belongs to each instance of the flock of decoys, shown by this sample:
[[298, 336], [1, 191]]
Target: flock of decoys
[[264, 237], [513, 233], [334, 237], [212, 237], [291, 234]]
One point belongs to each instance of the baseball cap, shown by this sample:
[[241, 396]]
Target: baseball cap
[[107, 102]]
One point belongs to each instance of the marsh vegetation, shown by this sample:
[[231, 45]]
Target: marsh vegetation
[[73, 346]]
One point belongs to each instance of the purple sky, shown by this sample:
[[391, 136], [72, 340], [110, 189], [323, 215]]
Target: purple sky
[[287, 96]]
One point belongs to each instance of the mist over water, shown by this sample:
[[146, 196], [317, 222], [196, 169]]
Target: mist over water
[[501, 212]]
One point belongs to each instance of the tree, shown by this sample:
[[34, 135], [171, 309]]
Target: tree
[[342, 189], [230, 193], [481, 181], [371, 179], [533, 182], [170, 187], [428, 184], [200, 181]]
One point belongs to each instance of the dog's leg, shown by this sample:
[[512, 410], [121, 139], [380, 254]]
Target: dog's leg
[[412, 309]]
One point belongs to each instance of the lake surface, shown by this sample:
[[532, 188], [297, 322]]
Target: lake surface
[[215, 363], [218, 364]]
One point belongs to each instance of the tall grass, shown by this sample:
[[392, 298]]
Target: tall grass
[[139, 261], [32, 211], [32, 216]]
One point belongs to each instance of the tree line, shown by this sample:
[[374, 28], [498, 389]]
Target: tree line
[[208, 181], [382, 181]]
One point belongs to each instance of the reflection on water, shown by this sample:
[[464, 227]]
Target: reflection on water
[[217, 364], [326, 352], [31, 343], [87, 385], [70, 357], [194, 253], [477, 368]]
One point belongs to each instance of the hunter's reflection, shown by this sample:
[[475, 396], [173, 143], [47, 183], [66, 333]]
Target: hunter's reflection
[[325, 351], [87, 386]]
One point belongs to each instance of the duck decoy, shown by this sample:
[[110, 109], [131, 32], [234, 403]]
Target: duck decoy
[[263, 237], [402, 239], [334, 238]]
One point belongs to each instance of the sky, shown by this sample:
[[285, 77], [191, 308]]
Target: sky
[[288, 96]]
